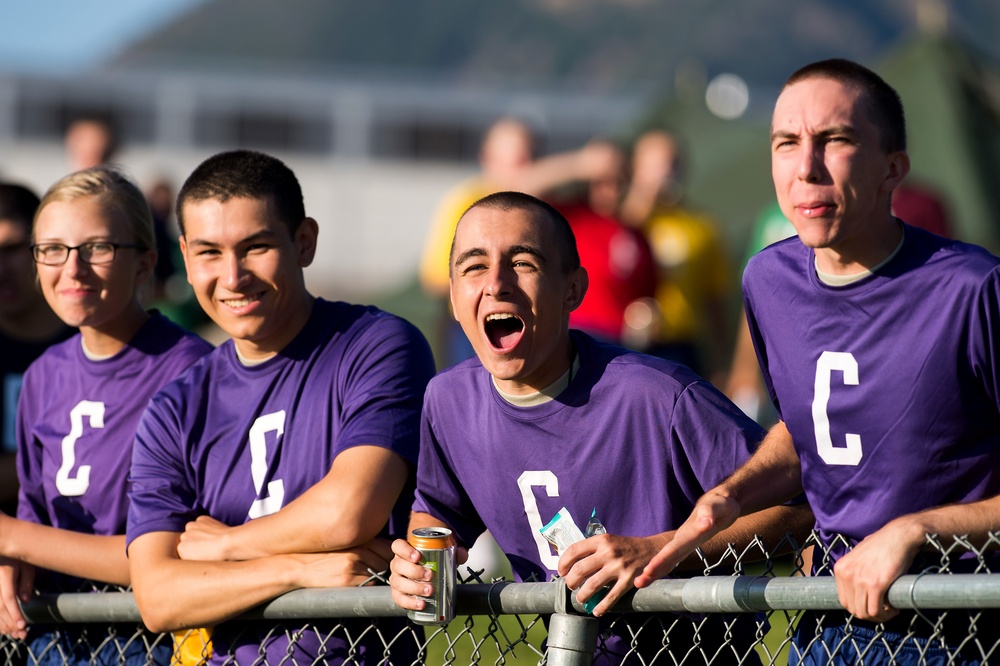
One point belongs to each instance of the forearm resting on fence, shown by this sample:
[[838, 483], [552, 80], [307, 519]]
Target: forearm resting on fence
[[175, 594], [865, 574], [347, 508]]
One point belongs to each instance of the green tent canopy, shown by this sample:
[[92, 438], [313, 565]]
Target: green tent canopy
[[952, 101]]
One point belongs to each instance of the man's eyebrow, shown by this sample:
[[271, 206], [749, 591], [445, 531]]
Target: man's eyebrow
[[468, 254], [265, 234], [528, 249], [833, 130], [783, 134], [513, 250], [847, 130]]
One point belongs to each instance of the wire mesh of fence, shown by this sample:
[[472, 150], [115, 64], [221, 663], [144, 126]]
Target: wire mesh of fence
[[758, 605]]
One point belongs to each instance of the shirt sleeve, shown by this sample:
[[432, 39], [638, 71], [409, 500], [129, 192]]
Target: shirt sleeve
[[984, 332], [711, 438], [384, 380], [161, 497], [439, 492], [758, 339]]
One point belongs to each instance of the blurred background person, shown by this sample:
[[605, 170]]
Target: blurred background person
[[27, 324], [618, 260], [172, 294], [89, 141], [160, 197], [922, 206], [694, 274]]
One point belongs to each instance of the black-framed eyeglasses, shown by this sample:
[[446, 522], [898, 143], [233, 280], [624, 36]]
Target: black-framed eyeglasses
[[96, 253]]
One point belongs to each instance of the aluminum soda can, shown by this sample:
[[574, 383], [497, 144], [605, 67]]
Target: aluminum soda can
[[437, 547]]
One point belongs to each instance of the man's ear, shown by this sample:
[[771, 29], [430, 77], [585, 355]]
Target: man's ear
[[577, 289], [451, 299], [305, 238], [899, 167], [182, 241]]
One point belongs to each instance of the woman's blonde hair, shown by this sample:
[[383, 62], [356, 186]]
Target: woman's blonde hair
[[115, 190]]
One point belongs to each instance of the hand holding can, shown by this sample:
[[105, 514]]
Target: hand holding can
[[437, 550]]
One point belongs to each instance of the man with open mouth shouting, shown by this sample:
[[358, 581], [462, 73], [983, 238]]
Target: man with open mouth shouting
[[547, 418]]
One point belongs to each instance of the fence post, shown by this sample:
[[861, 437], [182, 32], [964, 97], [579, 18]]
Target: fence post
[[572, 637]]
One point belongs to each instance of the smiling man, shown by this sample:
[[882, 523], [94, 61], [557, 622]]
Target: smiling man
[[879, 344], [309, 398], [546, 417]]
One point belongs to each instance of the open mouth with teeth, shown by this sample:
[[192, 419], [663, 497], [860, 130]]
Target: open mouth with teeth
[[503, 330]]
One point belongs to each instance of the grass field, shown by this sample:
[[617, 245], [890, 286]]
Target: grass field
[[479, 640], [476, 640]]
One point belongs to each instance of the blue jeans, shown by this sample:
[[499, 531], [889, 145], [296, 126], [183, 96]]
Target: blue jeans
[[92, 644], [844, 645]]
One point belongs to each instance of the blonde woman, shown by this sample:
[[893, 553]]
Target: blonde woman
[[94, 248]]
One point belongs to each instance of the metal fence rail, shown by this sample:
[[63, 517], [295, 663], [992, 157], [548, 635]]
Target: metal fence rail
[[708, 594], [745, 618]]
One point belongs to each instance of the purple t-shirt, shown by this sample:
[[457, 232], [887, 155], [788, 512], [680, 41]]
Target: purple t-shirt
[[637, 438], [889, 386], [237, 442], [76, 422]]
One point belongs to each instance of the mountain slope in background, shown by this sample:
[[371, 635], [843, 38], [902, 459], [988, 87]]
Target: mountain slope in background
[[594, 45]]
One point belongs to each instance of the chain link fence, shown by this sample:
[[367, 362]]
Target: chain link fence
[[753, 606]]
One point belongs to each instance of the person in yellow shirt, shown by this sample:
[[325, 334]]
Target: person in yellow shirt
[[695, 275]]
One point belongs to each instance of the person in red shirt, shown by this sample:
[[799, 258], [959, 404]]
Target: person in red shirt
[[618, 259]]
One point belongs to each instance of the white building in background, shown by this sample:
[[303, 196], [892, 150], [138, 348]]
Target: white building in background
[[373, 158]]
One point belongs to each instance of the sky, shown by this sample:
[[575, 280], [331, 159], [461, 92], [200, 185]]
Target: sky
[[66, 36]]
